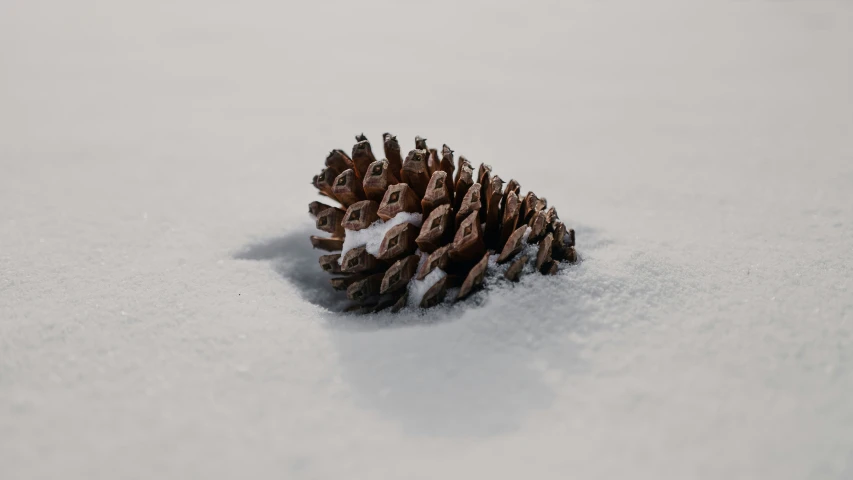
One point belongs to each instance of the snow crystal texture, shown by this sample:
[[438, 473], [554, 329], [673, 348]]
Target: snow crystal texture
[[372, 236], [162, 313], [418, 288]]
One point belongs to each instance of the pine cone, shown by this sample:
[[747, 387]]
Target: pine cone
[[411, 230]]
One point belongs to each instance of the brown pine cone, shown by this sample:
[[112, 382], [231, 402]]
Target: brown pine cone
[[409, 231]]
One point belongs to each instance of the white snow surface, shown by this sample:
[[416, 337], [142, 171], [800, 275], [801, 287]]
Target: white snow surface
[[373, 235], [162, 314]]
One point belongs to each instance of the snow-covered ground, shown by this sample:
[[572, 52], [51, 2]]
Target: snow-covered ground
[[159, 311]]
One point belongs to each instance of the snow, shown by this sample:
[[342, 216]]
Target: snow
[[418, 288], [373, 235], [162, 314]]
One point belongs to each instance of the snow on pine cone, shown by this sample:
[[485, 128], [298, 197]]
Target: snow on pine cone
[[414, 232]]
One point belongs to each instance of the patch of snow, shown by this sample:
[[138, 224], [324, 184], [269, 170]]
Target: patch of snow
[[496, 270], [418, 288], [372, 236]]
